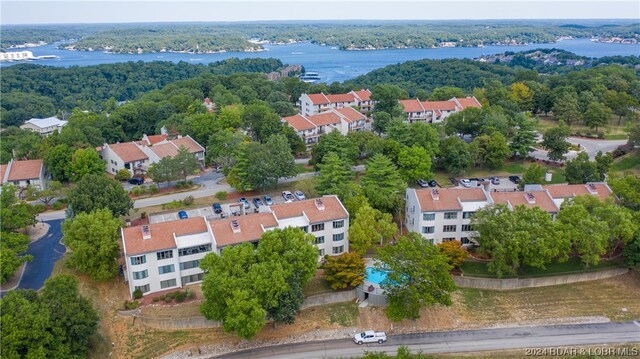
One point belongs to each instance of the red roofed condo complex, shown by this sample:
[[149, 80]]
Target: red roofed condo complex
[[435, 111], [24, 173], [313, 104], [445, 214], [311, 127]]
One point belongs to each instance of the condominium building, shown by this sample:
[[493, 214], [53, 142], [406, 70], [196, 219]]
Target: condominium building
[[435, 111], [313, 104], [311, 127], [167, 255], [24, 173], [445, 214], [44, 126]]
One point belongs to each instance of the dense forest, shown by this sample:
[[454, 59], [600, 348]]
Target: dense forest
[[347, 36]]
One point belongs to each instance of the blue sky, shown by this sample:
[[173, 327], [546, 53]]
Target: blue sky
[[91, 11]]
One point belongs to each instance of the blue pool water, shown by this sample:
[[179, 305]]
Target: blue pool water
[[376, 276]]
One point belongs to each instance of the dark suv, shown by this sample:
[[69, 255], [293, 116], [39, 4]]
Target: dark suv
[[136, 180]]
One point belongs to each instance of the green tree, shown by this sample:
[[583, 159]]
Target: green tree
[[97, 192], [581, 170], [123, 175], [603, 163], [367, 143], [455, 156], [566, 108], [370, 227], [414, 163], [333, 173], [382, 184], [631, 252], [46, 195], [380, 122], [25, 325], [57, 160], [163, 171], [533, 175], [522, 96], [627, 189], [335, 142], [184, 163], [589, 237], [261, 121], [387, 97], [634, 135], [224, 147], [524, 137], [295, 142], [93, 238], [418, 276], [344, 271], [15, 214], [454, 252], [491, 150], [445, 93], [12, 247], [85, 162], [596, 115], [555, 141]]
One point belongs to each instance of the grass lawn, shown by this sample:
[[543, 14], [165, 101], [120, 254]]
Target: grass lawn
[[301, 168], [317, 285], [628, 162], [573, 265], [344, 314], [517, 167], [613, 131]]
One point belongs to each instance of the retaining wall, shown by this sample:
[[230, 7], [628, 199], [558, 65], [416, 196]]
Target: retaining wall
[[519, 283], [328, 298]]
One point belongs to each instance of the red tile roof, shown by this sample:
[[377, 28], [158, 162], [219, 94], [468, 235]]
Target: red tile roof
[[163, 150], [318, 99], [3, 169], [128, 152], [345, 97], [571, 190], [323, 119], [251, 228], [439, 105], [363, 95], [350, 113], [189, 143], [153, 139], [411, 105], [299, 122], [468, 102], [541, 199], [25, 170], [333, 210], [162, 235], [448, 198]]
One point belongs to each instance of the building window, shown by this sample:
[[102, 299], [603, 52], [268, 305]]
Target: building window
[[189, 264], [167, 283], [320, 240], [427, 230], [338, 249], [467, 215], [317, 227], [467, 227], [338, 224], [450, 215], [192, 278], [140, 275], [449, 228], [321, 252], [143, 288], [164, 255], [338, 237], [194, 250], [464, 240], [166, 269], [138, 260], [428, 216], [448, 239], [305, 229]]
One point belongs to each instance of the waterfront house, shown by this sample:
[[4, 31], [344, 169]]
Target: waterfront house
[[44, 126]]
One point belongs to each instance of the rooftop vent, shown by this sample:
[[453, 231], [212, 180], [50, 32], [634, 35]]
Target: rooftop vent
[[530, 197], [592, 188], [435, 194], [235, 226], [146, 232], [319, 204]]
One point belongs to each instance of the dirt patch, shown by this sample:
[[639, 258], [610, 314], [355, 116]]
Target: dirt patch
[[36, 231]]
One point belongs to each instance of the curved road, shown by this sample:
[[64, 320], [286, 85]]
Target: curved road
[[461, 341], [45, 251]]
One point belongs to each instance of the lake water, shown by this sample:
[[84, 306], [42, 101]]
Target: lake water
[[332, 64]]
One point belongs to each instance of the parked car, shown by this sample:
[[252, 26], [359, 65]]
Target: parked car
[[465, 182], [422, 183], [217, 208], [245, 202], [433, 183], [514, 179], [495, 180], [300, 196], [136, 180], [257, 202], [183, 215], [268, 200], [370, 337], [288, 196], [477, 179]]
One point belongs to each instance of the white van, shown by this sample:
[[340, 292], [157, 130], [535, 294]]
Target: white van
[[370, 337]]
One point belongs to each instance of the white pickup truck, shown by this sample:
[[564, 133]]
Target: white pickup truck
[[370, 337]]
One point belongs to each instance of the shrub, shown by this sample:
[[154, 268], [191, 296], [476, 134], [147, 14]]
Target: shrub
[[153, 188], [168, 299], [143, 215], [172, 205], [454, 252], [190, 183], [191, 294], [58, 205], [180, 296], [222, 195], [137, 294], [156, 299], [143, 189], [180, 185], [123, 175], [601, 135], [130, 305], [136, 191], [39, 208], [188, 201]]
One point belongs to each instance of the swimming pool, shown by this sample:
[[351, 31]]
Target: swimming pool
[[375, 275]]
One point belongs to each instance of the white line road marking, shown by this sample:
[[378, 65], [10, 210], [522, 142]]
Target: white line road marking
[[636, 323]]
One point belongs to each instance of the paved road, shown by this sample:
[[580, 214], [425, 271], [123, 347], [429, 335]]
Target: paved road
[[460, 341], [591, 146]]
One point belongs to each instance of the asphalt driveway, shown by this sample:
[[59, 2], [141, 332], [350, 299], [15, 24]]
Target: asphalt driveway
[[46, 251]]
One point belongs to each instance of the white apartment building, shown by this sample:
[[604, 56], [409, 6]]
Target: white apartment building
[[313, 104], [24, 173], [166, 255], [435, 111], [311, 127], [444, 214], [136, 157], [44, 126]]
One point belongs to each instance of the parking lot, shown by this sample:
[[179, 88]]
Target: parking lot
[[228, 209], [505, 185]]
